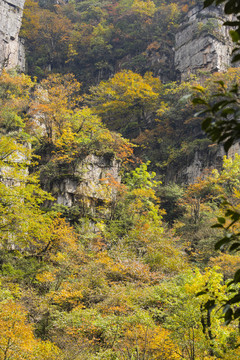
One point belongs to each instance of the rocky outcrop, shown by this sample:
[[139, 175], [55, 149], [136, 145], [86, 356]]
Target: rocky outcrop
[[199, 163], [89, 184], [202, 43], [202, 163], [12, 54], [202, 160]]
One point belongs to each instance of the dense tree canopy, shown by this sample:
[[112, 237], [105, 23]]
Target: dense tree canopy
[[115, 277], [95, 39]]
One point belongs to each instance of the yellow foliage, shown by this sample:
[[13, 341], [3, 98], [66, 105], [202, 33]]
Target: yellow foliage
[[63, 236], [124, 92], [45, 350], [16, 336], [210, 277], [153, 342], [45, 276], [228, 264], [144, 8], [17, 341], [68, 297]]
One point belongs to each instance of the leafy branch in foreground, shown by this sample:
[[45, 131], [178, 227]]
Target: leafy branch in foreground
[[231, 7], [227, 187], [231, 241], [222, 126], [222, 114]]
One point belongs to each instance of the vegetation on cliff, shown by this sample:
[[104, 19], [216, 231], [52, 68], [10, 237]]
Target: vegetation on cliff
[[117, 284], [96, 39]]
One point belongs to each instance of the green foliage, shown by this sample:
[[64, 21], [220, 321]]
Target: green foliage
[[222, 126], [170, 196], [92, 39], [231, 7], [202, 202], [221, 123], [111, 287], [141, 178]]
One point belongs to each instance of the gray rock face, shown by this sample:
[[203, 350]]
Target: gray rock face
[[202, 164], [12, 52], [199, 164], [202, 43], [90, 184], [196, 165]]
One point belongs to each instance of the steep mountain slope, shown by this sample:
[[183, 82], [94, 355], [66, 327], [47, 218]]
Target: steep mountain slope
[[202, 42], [12, 52], [109, 268], [171, 40]]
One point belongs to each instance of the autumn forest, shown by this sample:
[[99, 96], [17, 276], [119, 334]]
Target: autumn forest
[[108, 251]]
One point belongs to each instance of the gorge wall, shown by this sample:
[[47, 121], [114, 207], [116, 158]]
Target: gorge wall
[[86, 184], [200, 163], [202, 43], [89, 184], [12, 53]]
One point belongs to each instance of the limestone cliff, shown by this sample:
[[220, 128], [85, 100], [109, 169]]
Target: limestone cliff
[[205, 157], [202, 161], [89, 184], [202, 43], [12, 52]]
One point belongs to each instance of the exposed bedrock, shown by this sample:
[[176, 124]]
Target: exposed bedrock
[[202, 43], [12, 54]]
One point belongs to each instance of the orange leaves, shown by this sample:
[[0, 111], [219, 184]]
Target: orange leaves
[[122, 148], [31, 20], [123, 270], [114, 184], [69, 296], [55, 99], [63, 90], [63, 236], [47, 32], [16, 336], [185, 8], [153, 342]]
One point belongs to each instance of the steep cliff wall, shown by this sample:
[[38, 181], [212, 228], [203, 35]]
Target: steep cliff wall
[[12, 53], [88, 185], [195, 165], [202, 43]]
